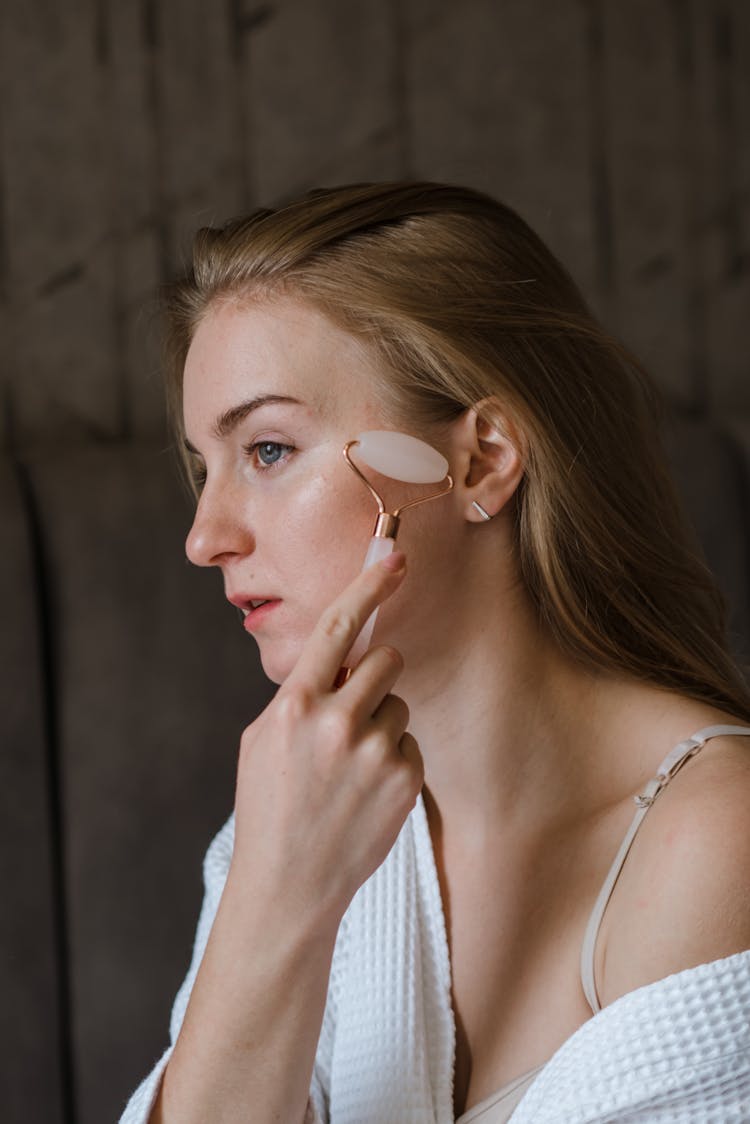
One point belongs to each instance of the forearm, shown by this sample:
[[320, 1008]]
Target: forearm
[[247, 1044]]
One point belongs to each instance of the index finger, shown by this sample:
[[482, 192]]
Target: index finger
[[340, 624]]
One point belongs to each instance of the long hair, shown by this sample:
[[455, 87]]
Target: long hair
[[467, 305]]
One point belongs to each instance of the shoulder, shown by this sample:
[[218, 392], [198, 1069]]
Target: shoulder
[[682, 899]]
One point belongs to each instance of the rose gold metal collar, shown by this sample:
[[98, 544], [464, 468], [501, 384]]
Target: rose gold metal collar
[[387, 523]]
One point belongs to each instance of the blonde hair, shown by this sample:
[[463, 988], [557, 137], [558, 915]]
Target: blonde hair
[[467, 306]]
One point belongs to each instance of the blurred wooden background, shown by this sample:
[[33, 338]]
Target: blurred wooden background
[[619, 128]]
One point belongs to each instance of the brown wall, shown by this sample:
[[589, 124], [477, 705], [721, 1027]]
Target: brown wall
[[619, 128]]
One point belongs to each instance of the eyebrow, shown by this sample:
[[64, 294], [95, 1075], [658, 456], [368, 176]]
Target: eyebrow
[[230, 419]]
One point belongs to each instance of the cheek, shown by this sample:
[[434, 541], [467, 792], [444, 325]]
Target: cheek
[[314, 540], [434, 579], [327, 527], [322, 551]]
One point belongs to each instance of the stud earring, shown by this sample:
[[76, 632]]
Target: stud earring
[[481, 510]]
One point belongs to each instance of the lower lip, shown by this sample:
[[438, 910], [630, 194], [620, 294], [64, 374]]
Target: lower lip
[[257, 616]]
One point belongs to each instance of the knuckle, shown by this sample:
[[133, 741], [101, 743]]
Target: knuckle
[[338, 624], [411, 755], [295, 703], [409, 781], [376, 748], [337, 727], [403, 708], [394, 655], [397, 710]]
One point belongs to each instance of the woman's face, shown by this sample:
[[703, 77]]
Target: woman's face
[[281, 513]]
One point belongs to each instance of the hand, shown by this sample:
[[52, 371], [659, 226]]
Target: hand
[[327, 777]]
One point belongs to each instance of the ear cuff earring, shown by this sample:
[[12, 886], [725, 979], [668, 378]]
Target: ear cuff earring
[[481, 510]]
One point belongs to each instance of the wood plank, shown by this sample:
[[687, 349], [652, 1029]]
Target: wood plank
[[198, 121], [646, 94], [56, 223], [34, 1018], [65, 385], [176, 164], [721, 33], [323, 83], [139, 341], [6, 321], [500, 106], [137, 208]]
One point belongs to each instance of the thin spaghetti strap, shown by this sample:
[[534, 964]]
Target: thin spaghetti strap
[[669, 767]]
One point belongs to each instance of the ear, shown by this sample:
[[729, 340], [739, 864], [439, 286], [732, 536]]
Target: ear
[[489, 456]]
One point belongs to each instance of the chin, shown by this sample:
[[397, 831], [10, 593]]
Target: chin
[[274, 671], [278, 664]]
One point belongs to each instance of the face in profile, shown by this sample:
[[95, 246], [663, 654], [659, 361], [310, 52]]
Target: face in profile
[[272, 392]]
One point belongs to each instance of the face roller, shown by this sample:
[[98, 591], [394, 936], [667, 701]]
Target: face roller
[[400, 457]]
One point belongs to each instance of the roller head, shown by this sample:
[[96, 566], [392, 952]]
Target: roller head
[[401, 457]]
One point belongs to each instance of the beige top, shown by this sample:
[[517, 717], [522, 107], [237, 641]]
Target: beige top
[[499, 1107]]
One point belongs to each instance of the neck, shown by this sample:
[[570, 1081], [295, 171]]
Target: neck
[[514, 733]]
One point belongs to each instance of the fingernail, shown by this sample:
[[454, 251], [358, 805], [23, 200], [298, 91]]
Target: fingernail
[[395, 562]]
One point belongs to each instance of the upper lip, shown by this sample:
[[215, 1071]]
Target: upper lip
[[244, 600]]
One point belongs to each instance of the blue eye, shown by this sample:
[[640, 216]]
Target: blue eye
[[270, 453], [272, 449]]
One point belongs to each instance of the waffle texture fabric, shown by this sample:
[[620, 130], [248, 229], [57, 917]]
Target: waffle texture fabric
[[675, 1051]]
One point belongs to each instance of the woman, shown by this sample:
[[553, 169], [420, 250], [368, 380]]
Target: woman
[[395, 916]]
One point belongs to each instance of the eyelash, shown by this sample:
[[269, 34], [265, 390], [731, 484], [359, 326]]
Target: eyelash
[[199, 474]]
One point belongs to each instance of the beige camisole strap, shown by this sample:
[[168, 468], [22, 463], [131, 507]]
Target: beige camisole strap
[[671, 765]]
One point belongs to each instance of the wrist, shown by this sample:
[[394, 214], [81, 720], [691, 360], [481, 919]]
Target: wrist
[[268, 917]]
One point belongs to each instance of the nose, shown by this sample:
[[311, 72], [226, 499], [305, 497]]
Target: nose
[[219, 531]]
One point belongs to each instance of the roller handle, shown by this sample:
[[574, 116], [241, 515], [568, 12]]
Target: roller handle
[[378, 549]]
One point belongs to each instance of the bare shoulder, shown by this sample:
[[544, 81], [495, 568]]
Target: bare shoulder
[[682, 898]]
